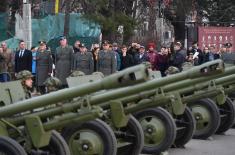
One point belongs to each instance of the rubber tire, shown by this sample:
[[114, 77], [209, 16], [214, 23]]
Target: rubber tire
[[226, 122], [185, 135], [98, 126], [57, 145], [211, 106], [10, 147], [163, 115], [134, 129], [232, 96]]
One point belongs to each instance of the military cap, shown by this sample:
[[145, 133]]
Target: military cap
[[77, 73], [172, 70], [42, 43], [53, 82], [105, 42], [23, 75], [62, 38]]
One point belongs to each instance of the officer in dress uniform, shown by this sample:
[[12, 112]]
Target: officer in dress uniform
[[63, 61], [106, 63], [83, 61], [228, 56]]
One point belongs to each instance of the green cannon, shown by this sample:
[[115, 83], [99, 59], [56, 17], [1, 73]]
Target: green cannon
[[170, 93], [23, 130], [177, 95], [91, 137], [120, 108]]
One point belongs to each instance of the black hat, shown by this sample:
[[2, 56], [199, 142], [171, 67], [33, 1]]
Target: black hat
[[42, 43], [62, 38]]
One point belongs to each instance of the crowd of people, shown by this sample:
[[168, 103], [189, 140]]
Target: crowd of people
[[107, 58]]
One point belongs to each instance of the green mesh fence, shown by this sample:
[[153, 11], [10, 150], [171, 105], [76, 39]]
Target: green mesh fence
[[51, 28], [3, 26]]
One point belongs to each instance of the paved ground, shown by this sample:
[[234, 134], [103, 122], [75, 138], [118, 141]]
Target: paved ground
[[219, 145]]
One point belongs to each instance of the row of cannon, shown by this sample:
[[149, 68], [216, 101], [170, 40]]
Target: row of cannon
[[127, 113]]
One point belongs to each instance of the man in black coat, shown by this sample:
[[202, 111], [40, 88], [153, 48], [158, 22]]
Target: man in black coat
[[23, 58], [141, 56]]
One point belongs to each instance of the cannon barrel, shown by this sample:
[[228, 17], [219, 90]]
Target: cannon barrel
[[126, 77], [207, 69], [149, 100], [188, 84]]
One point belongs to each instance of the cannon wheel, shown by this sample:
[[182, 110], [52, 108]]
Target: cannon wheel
[[186, 125], [227, 115], [207, 116], [9, 146], [132, 135], [91, 138], [159, 129], [57, 146]]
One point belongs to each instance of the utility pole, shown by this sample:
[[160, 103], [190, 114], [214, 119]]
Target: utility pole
[[27, 23], [57, 2]]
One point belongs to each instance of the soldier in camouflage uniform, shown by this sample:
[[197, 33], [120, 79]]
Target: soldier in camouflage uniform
[[52, 84], [26, 80], [172, 70]]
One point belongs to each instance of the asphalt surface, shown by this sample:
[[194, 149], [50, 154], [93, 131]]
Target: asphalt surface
[[216, 145]]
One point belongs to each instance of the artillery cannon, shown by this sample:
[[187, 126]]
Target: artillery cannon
[[82, 110], [122, 107], [125, 129], [180, 93], [36, 134]]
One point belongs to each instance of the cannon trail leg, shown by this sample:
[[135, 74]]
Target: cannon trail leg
[[159, 130], [186, 125], [131, 138], [90, 138], [207, 116], [227, 115], [9, 146]]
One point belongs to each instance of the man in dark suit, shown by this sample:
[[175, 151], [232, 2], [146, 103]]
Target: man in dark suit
[[23, 58]]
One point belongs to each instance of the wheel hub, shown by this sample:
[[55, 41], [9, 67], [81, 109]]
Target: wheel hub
[[86, 142], [198, 116], [202, 117], [149, 130], [85, 147], [154, 130]]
